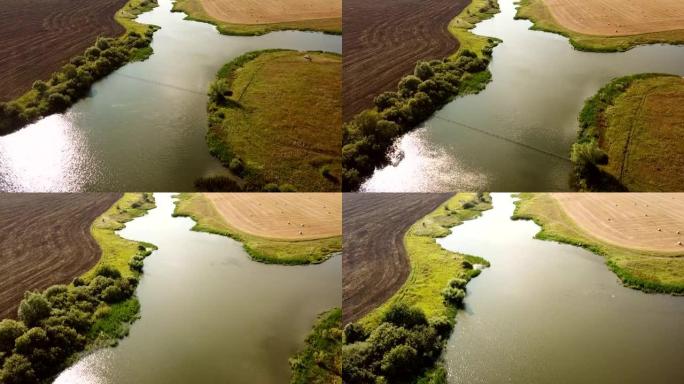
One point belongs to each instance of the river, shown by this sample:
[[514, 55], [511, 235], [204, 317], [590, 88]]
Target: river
[[143, 126], [546, 312], [209, 313], [516, 134]]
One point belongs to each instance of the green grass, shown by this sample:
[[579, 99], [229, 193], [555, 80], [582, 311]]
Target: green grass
[[195, 11], [636, 121], [644, 270], [320, 361], [115, 324], [432, 267], [537, 12], [283, 120], [208, 219], [461, 26], [117, 251]]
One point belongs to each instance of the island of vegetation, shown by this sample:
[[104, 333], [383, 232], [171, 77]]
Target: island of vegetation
[[274, 228], [637, 234], [74, 80], [54, 326], [630, 136], [608, 25], [252, 17], [275, 120], [320, 362], [368, 137], [401, 341]]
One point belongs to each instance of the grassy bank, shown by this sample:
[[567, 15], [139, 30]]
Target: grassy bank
[[401, 341], [629, 136], [320, 361], [538, 13], [195, 11], [208, 219], [275, 120], [73, 81], [647, 271], [369, 136], [55, 326]]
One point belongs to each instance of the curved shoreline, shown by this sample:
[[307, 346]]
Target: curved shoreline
[[542, 20], [332, 26], [73, 82]]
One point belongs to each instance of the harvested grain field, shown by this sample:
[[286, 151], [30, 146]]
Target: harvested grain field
[[645, 221], [44, 240], [282, 216], [618, 17], [374, 262], [271, 11], [384, 39], [38, 37]]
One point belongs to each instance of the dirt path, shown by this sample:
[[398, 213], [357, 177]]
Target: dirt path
[[38, 37], [271, 11], [282, 215], [630, 220], [374, 262], [44, 240], [384, 39], [618, 17]]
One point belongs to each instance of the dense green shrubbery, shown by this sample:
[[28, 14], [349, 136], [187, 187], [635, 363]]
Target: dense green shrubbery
[[74, 80], [320, 361], [55, 324], [369, 136]]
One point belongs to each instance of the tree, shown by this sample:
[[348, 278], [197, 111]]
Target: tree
[[17, 369], [219, 92], [423, 71], [453, 295], [409, 85], [40, 86], [92, 53], [32, 340], [102, 43], [400, 361], [34, 308], [9, 331], [354, 332], [58, 101], [404, 316]]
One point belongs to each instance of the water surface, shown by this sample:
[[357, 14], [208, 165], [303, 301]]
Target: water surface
[[539, 86], [553, 313], [143, 126], [209, 313]]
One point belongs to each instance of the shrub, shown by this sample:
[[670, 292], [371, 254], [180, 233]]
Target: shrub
[[112, 294], [458, 283], [40, 86], [34, 308], [107, 271], [409, 85], [287, 188], [386, 100], [9, 331], [453, 296], [399, 361], [99, 284], [442, 326], [404, 316], [271, 187], [423, 71], [354, 332], [102, 43], [219, 92], [58, 101], [92, 53], [32, 340], [17, 369], [236, 166]]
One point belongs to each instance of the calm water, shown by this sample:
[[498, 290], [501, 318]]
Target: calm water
[[538, 89], [209, 313], [143, 127], [552, 313]]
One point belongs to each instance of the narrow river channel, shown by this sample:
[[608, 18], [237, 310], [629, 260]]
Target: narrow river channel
[[553, 313], [517, 133], [209, 313], [143, 126]]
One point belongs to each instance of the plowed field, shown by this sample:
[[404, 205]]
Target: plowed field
[[384, 39], [374, 260], [44, 240], [38, 36]]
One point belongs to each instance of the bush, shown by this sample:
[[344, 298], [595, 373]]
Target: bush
[[99, 284], [34, 308], [399, 361], [442, 326], [458, 283], [423, 71], [409, 85], [32, 340], [112, 294], [453, 296], [107, 271], [9, 331], [40, 86], [404, 316], [219, 92], [92, 53], [17, 369], [58, 101], [354, 332], [236, 166], [287, 188], [271, 187]]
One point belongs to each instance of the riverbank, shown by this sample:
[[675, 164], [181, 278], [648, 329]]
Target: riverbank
[[320, 362], [369, 136], [196, 11], [543, 20], [274, 119], [648, 271], [424, 308], [628, 136], [73, 81], [262, 249], [55, 326]]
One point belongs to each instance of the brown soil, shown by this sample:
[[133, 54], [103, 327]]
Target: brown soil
[[282, 215], [374, 262], [44, 240], [271, 11], [618, 17], [384, 39], [38, 37], [630, 220]]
